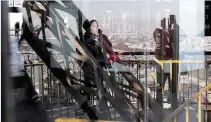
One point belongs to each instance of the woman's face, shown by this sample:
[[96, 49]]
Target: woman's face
[[157, 37], [94, 28]]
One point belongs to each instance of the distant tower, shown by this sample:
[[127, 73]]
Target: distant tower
[[125, 21], [133, 23], [109, 21]]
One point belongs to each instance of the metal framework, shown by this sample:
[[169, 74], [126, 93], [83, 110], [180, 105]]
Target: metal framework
[[120, 103], [51, 19]]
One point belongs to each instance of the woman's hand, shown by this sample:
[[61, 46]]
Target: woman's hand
[[112, 58]]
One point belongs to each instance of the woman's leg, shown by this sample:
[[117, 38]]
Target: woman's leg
[[159, 84], [161, 80]]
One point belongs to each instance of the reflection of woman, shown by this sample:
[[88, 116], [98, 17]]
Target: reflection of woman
[[167, 55]]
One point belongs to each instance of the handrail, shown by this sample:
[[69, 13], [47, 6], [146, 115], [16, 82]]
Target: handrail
[[173, 114], [152, 53], [79, 120], [40, 63], [27, 53], [168, 61], [12, 29], [35, 64], [158, 61]]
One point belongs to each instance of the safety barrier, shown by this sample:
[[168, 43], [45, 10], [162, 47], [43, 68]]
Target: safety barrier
[[57, 100], [47, 84], [78, 120], [186, 107]]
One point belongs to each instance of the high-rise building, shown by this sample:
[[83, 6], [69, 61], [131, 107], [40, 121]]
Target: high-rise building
[[108, 21]]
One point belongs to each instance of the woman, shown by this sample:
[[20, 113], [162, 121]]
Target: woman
[[91, 41], [94, 40], [99, 45]]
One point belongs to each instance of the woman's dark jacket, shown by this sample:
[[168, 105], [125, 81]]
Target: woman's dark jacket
[[95, 49]]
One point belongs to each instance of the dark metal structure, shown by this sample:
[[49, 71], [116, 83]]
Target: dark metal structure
[[175, 66], [118, 95], [120, 103]]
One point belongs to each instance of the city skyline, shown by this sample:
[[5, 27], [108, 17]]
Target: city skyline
[[127, 20], [145, 12]]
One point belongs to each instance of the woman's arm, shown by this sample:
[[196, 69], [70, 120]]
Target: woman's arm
[[107, 45]]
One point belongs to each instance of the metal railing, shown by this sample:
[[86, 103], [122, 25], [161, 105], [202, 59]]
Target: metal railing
[[58, 101], [198, 96], [52, 86]]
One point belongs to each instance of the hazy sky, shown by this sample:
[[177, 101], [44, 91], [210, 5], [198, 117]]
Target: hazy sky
[[190, 14]]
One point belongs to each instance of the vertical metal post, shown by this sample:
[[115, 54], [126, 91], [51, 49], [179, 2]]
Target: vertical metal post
[[175, 118], [138, 120], [197, 77], [146, 92], [163, 23], [206, 76], [59, 99], [179, 81], [48, 77], [199, 108], [42, 83], [154, 84], [54, 86], [137, 71], [171, 77], [50, 80], [7, 104], [66, 100], [163, 87], [187, 113], [43, 19], [188, 83], [32, 76], [183, 90], [175, 42], [191, 81], [170, 71], [37, 76], [68, 104]]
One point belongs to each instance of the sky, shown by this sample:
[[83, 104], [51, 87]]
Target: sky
[[189, 13]]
